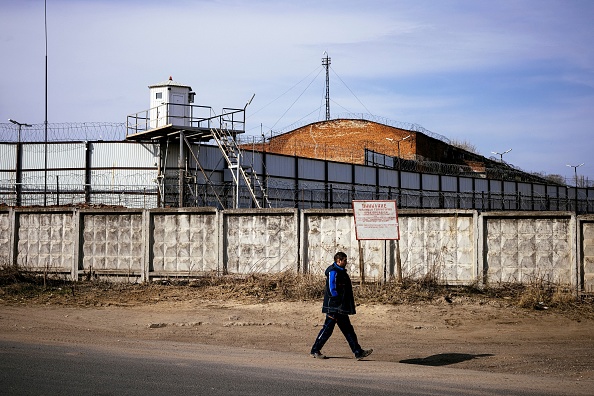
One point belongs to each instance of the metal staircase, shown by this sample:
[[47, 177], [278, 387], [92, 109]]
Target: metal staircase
[[232, 155]]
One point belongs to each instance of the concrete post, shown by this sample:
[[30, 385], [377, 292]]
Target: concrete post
[[78, 228]]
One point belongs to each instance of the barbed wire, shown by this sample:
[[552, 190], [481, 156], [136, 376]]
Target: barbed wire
[[365, 117], [112, 131], [64, 132]]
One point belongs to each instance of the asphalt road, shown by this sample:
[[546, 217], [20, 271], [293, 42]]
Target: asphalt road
[[164, 368]]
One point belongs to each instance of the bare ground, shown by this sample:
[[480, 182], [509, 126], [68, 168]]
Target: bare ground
[[458, 330]]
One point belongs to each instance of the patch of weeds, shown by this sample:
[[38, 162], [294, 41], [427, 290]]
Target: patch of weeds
[[20, 286]]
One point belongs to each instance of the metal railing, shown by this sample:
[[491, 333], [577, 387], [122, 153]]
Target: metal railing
[[185, 115]]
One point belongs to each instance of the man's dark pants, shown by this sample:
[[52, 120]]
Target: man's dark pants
[[344, 324]]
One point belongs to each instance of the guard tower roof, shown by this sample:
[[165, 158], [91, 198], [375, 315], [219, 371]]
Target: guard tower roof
[[170, 83]]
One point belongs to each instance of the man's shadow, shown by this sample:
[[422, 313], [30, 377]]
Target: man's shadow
[[444, 359]]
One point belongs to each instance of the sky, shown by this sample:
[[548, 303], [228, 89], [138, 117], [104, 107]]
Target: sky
[[499, 75]]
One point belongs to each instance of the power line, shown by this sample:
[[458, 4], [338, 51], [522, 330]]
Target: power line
[[292, 104], [351, 91], [284, 93]]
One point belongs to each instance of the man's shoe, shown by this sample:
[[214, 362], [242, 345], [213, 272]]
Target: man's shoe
[[363, 354], [318, 355]]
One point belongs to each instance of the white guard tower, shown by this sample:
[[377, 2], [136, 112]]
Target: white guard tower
[[172, 116], [170, 104]]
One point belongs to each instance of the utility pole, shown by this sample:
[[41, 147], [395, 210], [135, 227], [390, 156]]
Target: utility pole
[[45, 122], [326, 64]]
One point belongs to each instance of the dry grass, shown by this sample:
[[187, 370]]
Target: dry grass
[[19, 287]]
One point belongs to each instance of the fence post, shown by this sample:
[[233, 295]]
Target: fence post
[[87, 187], [361, 262], [58, 190], [19, 173], [78, 243], [147, 237], [13, 237], [473, 194]]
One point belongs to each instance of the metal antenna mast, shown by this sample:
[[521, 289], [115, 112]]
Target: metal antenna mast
[[326, 64]]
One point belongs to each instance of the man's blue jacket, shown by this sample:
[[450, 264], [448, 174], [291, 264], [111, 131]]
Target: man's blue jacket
[[338, 297]]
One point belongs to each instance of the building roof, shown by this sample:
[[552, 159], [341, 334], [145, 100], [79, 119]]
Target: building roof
[[170, 83]]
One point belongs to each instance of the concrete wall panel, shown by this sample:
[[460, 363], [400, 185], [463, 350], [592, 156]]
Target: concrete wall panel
[[184, 243], [326, 232], [528, 249], [260, 241], [45, 241], [5, 230], [112, 243], [438, 243], [587, 253]]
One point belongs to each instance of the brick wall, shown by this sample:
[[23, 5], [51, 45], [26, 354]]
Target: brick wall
[[343, 140]]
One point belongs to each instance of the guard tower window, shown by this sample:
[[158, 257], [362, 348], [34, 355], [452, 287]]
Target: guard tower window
[[159, 95]]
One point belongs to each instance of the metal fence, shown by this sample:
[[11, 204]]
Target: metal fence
[[128, 175], [333, 197]]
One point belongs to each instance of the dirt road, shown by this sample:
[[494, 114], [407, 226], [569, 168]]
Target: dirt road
[[461, 335]]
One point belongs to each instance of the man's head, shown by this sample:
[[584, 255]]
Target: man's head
[[340, 259]]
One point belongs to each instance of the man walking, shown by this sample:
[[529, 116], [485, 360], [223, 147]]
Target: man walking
[[339, 303]]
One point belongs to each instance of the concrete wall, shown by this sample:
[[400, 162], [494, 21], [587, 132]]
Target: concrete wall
[[184, 242], [5, 237], [112, 243], [45, 241], [531, 247], [439, 242], [256, 241], [454, 246]]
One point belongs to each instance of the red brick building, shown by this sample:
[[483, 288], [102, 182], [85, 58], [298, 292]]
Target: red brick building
[[345, 140]]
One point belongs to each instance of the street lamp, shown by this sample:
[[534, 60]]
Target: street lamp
[[19, 164], [575, 172], [398, 143], [20, 124], [501, 154], [576, 186]]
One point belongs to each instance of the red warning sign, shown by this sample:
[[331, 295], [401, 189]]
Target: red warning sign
[[376, 220]]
